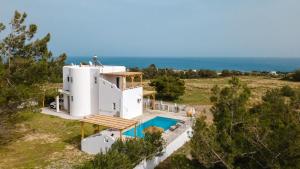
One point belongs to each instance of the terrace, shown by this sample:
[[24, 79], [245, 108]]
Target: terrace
[[123, 76]]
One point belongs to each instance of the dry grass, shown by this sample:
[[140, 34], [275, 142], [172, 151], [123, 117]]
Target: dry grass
[[44, 142], [198, 91], [48, 142]]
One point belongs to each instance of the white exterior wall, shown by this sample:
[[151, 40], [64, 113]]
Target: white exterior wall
[[110, 69], [111, 79], [94, 91], [172, 147], [109, 94], [66, 85], [66, 73], [84, 91], [94, 98], [131, 107]]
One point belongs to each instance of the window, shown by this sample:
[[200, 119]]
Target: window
[[139, 100], [95, 79], [71, 79], [68, 78], [114, 106], [118, 82], [71, 98]]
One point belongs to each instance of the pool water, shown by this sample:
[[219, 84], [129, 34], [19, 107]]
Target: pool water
[[158, 121]]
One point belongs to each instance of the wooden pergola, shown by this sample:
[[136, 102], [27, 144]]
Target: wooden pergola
[[147, 93], [49, 86], [131, 75], [109, 121]]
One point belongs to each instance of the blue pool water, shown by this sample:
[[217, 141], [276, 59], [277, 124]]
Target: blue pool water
[[162, 122]]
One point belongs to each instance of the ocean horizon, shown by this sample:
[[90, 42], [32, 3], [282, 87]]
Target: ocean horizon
[[213, 63]]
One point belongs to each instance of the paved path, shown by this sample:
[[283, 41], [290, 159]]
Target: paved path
[[60, 114]]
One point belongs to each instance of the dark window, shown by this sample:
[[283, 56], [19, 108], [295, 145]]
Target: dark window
[[95, 80], [68, 78], [118, 82], [71, 98], [114, 106]]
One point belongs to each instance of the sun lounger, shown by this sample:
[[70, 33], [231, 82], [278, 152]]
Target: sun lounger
[[181, 121], [172, 128]]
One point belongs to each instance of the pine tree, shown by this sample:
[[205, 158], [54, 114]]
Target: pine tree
[[26, 63], [264, 136]]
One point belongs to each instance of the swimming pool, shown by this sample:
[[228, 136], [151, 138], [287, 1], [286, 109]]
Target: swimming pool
[[162, 122]]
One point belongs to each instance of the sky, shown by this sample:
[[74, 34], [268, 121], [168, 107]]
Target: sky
[[200, 28]]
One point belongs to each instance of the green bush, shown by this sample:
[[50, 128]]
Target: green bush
[[134, 149], [168, 87], [287, 91], [296, 75], [127, 154], [110, 160], [181, 162], [154, 144]]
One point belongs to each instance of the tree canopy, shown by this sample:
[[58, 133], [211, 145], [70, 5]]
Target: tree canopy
[[296, 75], [168, 88], [25, 63], [129, 153], [263, 136]]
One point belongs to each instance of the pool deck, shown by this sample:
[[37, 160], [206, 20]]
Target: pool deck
[[168, 135]]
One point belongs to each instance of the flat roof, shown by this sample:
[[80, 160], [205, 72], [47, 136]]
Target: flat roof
[[109, 121], [123, 73], [93, 66]]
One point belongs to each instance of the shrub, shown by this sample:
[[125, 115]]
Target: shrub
[[134, 149], [110, 160], [181, 162], [296, 75], [168, 87], [127, 154], [154, 144], [287, 91]]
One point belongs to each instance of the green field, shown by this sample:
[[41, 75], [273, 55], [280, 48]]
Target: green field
[[44, 141]]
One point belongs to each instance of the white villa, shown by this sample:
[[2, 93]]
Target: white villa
[[110, 96], [101, 89]]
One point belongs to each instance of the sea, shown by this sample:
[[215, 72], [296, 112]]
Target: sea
[[244, 64]]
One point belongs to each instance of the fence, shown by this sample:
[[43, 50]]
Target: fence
[[170, 148], [166, 106]]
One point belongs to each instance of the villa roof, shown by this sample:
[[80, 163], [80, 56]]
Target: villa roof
[[123, 73], [109, 121]]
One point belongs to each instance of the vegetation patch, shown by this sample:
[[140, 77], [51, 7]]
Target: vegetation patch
[[43, 141]]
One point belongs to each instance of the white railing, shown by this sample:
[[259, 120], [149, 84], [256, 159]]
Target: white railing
[[164, 106], [109, 83], [109, 90]]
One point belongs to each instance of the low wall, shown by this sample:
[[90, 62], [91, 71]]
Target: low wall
[[170, 148], [97, 143]]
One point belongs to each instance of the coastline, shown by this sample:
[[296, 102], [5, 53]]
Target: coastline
[[244, 64]]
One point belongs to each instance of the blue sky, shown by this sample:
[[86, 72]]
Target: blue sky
[[207, 28]]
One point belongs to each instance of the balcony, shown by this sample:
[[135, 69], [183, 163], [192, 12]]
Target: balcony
[[128, 80]]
